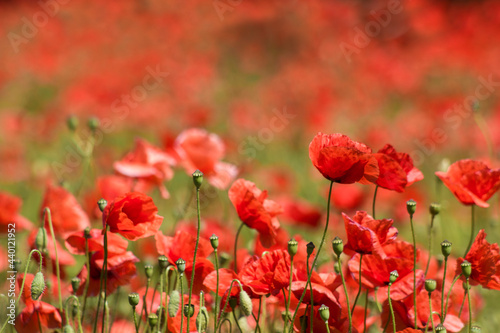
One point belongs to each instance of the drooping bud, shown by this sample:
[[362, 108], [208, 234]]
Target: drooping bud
[[75, 284], [434, 208], [292, 247], [411, 207], [41, 239], [324, 312], [133, 299], [181, 265], [338, 246], [245, 303], [445, 248], [197, 178], [214, 241], [188, 310], [393, 276], [430, 285], [37, 286], [174, 302], [72, 123], [233, 301], [163, 262], [466, 268], [202, 320], [102, 203], [148, 271]]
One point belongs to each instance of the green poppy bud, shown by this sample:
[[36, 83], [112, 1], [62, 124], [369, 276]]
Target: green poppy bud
[[292, 247], [133, 299], [466, 268], [163, 262], [148, 271], [445, 248], [310, 248], [475, 329], [181, 265], [324, 312], [440, 328], [174, 301], [75, 284], [41, 239], [245, 303], [74, 310], [37, 286], [68, 329], [197, 178], [233, 301], [393, 276], [434, 208], [93, 123], [214, 240], [102, 204], [72, 123], [202, 320], [338, 246], [411, 207], [430, 285], [152, 320], [189, 310]]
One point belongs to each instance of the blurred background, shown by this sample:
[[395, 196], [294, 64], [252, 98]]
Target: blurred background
[[265, 76]]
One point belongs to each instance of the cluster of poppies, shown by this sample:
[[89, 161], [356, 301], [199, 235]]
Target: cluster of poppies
[[198, 278]]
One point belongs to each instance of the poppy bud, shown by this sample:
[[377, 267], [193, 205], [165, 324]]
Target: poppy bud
[[430, 285], [72, 123], [440, 328], [466, 268], [41, 239], [338, 246], [17, 265], [74, 310], [189, 310], [181, 265], [148, 270], [393, 276], [152, 320], [233, 301], [37, 286], [163, 262], [411, 207], [173, 303], [324, 312], [75, 284], [197, 178], [434, 208], [445, 248], [310, 248], [133, 299], [475, 329], [102, 203], [245, 303], [68, 329], [292, 247], [202, 320], [337, 269], [214, 240], [86, 233], [93, 123]]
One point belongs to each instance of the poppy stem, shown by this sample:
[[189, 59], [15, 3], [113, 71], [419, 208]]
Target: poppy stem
[[229, 322], [236, 321], [311, 293], [78, 321], [374, 200], [287, 313], [470, 305], [414, 269], [430, 311], [195, 251], [390, 307], [102, 279], [472, 226], [345, 291], [87, 282], [379, 307], [442, 288], [105, 268], [327, 327], [236, 248], [462, 306], [258, 314], [448, 296], [182, 300], [217, 290], [49, 219], [317, 254], [161, 298], [366, 311], [430, 243], [144, 307], [359, 282]]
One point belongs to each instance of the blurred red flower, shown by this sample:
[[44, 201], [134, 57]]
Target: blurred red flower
[[149, 165], [485, 261], [255, 210], [396, 169], [343, 160], [300, 212], [75, 243], [472, 182], [9, 213], [67, 214]]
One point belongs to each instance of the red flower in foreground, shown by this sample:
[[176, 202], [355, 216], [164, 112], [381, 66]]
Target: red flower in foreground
[[9, 213], [67, 214], [255, 210], [396, 169], [472, 182], [149, 165], [198, 149], [485, 261], [366, 235], [343, 160], [133, 215]]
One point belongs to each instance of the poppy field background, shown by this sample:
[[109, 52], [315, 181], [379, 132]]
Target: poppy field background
[[98, 99]]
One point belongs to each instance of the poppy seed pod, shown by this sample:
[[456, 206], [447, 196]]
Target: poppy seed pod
[[93, 123], [440, 328], [445, 248], [74, 310], [214, 241], [102, 203], [181, 265], [133, 299], [148, 270], [202, 320], [338, 246], [411, 206], [292, 247], [434, 208], [152, 320], [86, 233], [68, 329], [189, 310], [163, 262], [37, 286], [475, 329], [174, 303], [466, 268], [75, 284], [245, 303], [430, 285], [72, 123], [310, 248], [393, 276], [41, 239], [197, 178], [324, 312]]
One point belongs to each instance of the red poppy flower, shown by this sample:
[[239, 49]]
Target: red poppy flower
[[255, 210], [485, 262], [67, 214], [472, 182], [210, 227], [133, 215], [108, 188], [396, 169], [347, 197], [75, 243], [9, 213], [65, 258], [198, 149], [149, 165], [343, 160], [300, 212], [366, 235]]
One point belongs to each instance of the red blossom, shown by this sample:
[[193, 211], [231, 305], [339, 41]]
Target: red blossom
[[9, 214]]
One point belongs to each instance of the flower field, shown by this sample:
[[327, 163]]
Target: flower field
[[249, 166]]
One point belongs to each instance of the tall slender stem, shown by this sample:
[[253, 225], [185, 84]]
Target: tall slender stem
[[87, 281], [359, 282], [49, 219], [430, 244], [182, 301], [442, 288], [162, 271], [374, 200], [144, 305], [390, 307], [105, 268], [311, 296], [216, 306], [287, 312], [472, 226], [366, 311], [414, 269], [470, 305], [237, 322], [236, 248], [430, 312], [346, 294], [317, 253], [448, 296]]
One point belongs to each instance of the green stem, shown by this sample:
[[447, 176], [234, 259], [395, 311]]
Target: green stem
[[236, 321], [390, 307], [136, 322], [87, 282], [448, 296], [327, 327], [287, 307], [346, 294], [470, 305], [102, 279], [182, 301], [105, 267], [161, 299], [78, 321], [359, 282], [430, 244], [258, 314], [366, 311], [317, 253], [49, 218], [442, 287], [414, 269], [217, 290], [462, 306], [228, 321], [430, 311], [379, 307], [472, 226], [374, 199], [236, 248], [144, 306], [311, 294]]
